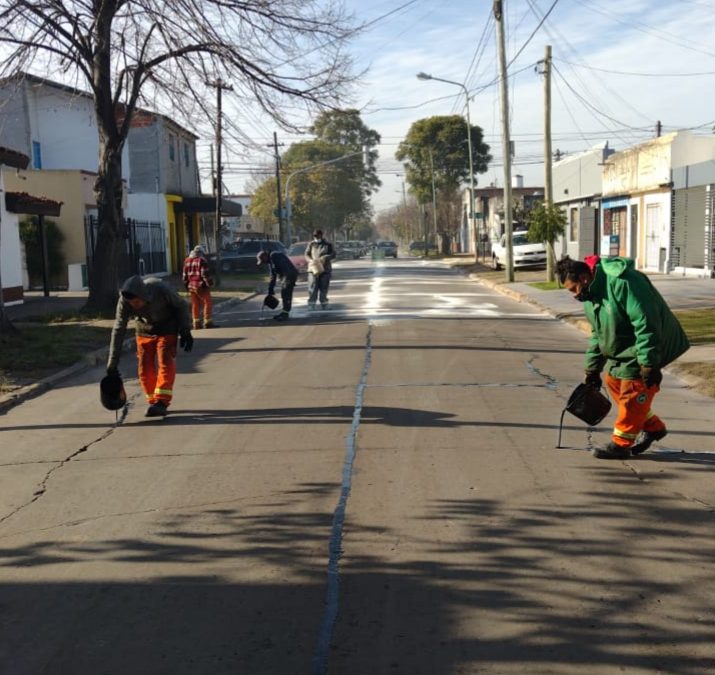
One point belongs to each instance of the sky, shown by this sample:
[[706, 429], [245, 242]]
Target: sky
[[619, 67]]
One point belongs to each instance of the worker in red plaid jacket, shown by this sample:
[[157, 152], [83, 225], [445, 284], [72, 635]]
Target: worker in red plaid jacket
[[198, 281]]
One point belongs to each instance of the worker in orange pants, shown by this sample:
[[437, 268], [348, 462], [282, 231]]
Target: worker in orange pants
[[197, 280], [634, 399], [162, 321], [156, 355]]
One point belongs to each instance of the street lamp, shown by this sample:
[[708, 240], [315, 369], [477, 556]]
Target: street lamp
[[426, 76]]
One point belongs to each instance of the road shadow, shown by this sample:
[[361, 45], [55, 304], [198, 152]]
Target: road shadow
[[219, 589]]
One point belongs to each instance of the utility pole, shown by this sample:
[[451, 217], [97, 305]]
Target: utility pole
[[434, 198], [281, 231], [658, 128], [548, 175], [220, 87], [506, 143]]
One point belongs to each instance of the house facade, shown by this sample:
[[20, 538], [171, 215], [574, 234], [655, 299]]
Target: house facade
[[640, 208], [56, 127], [577, 186]]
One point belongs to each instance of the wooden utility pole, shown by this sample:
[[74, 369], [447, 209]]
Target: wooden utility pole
[[506, 142], [220, 87], [548, 169], [281, 231]]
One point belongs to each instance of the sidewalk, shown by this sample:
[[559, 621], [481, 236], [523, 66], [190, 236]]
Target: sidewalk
[[679, 293], [36, 307]]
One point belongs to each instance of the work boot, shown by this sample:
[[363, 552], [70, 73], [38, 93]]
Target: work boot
[[646, 439], [197, 325], [311, 306], [209, 324], [283, 316], [157, 409], [323, 305], [611, 451]]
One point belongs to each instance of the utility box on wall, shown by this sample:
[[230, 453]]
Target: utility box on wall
[[77, 277]]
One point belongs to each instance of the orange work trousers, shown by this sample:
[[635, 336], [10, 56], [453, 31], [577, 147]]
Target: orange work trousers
[[200, 298], [634, 401], [157, 366]]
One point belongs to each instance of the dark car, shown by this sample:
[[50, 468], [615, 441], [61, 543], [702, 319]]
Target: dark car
[[387, 249], [240, 256]]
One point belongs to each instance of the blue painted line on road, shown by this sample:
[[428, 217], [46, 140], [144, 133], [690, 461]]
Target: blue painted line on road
[[335, 546]]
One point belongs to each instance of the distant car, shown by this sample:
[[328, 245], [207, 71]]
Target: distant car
[[525, 253], [240, 256], [387, 248], [418, 247], [296, 253], [343, 252]]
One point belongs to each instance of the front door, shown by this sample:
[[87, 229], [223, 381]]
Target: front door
[[652, 238]]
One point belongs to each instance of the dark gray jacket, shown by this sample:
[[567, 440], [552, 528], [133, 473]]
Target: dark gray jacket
[[323, 251], [166, 313]]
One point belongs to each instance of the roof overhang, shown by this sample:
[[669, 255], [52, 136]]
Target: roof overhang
[[22, 202], [208, 205]]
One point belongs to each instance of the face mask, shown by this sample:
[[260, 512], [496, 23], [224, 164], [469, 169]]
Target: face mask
[[316, 240], [584, 295]]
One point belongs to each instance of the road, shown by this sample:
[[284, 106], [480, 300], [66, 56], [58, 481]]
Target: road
[[373, 489]]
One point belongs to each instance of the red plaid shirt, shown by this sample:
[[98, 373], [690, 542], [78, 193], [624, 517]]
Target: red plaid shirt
[[196, 273]]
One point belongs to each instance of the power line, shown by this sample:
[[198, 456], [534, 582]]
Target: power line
[[630, 73]]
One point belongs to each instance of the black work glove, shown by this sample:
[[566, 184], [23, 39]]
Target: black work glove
[[593, 379], [651, 375], [113, 372], [186, 341]]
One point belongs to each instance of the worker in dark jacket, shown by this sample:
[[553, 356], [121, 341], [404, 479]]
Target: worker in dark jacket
[[319, 253], [161, 320], [634, 336], [280, 266]]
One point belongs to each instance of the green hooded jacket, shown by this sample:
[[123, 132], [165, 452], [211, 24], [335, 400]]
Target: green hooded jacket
[[632, 324]]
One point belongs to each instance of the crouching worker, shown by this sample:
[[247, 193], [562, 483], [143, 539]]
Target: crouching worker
[[634, 336], [161, 320], [281, 266]]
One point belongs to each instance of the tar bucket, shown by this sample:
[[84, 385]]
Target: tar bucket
[[588, 404]]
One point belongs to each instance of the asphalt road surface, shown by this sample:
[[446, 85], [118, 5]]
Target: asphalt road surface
[[373, 489]]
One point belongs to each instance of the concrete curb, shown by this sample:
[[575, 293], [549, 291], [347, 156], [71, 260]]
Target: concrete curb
[[88, 361], [692, 381]]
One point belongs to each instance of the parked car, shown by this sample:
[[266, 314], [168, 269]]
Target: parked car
[[296, 253], [240, 256], [388, 249], [525, 253], [343, 252]]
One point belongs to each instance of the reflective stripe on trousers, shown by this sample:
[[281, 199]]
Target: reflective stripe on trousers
[[634, 400], [156, 355]]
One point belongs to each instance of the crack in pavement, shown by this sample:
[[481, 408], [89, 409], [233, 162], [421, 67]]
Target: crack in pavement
[[672, 493], [551, 382], [42, 487]]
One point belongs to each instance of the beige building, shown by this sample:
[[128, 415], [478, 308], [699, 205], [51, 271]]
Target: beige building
[[74, 189]]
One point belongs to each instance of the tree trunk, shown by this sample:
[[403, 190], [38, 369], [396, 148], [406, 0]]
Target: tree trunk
[[550, 257], [110, 262]]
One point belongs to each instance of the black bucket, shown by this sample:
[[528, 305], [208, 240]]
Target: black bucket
[[588, 404], [111, 392], [270, 301]]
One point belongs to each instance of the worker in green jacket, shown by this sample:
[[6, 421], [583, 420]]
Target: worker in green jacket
[[634, 336]]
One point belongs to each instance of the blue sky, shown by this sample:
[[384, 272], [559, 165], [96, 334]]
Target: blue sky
[[649, 40]]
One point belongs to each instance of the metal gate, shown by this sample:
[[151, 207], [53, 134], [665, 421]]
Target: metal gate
[[145, 245]]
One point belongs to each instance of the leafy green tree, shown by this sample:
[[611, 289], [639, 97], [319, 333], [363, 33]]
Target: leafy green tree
[[546, 224], [345, 129], [444, 138]]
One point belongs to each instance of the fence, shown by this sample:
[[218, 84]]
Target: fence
[[145, 246]]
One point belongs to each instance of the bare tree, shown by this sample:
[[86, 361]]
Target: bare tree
[[163, 54]]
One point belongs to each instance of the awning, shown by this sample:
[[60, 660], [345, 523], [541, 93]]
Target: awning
[[208, 205], [13, 158], [22, 202]]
